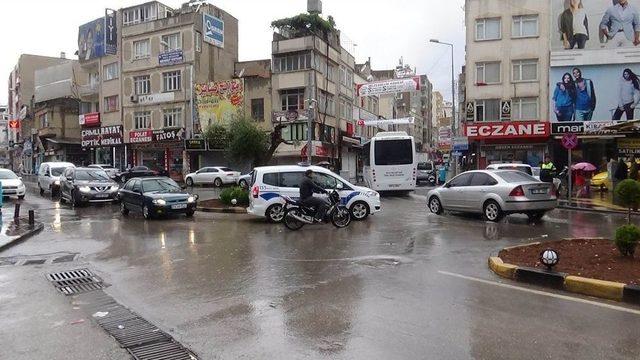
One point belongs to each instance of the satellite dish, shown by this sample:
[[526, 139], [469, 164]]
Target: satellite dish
[[241, 73]]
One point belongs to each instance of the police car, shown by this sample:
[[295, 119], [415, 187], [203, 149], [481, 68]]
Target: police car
[[270, 183]]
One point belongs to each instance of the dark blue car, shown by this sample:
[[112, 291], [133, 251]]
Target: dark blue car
[[156, 196]]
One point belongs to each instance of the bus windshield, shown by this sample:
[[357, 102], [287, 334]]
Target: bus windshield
[[393, 152]]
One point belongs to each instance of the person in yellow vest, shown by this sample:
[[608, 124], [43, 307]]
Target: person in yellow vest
[[547, 170]]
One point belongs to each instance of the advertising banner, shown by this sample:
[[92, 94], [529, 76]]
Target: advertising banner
[[289, 116], [628, 146], [168, 134], [510, 130], [213, 30], [171, 57], [388, 86], [103, 136], [219, 101], [89, 119], [400, 121], [195, 144], [586, 127], [91, 40], [110, 33], [140, 136]]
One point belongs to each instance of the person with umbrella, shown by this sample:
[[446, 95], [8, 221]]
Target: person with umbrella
[[583, 174]]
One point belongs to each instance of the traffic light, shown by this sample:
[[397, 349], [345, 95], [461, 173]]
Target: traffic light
[[14, 124]]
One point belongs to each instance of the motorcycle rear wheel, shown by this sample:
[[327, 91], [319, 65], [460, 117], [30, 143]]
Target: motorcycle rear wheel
[[290, 222], [341, 217]]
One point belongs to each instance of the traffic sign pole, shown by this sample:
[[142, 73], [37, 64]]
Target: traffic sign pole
[[569, 142]]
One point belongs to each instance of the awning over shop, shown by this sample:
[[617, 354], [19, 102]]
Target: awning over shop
[[64, 141]]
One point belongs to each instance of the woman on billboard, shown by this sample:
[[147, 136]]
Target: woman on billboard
[[564, 97], [628, 95], [574, 25]]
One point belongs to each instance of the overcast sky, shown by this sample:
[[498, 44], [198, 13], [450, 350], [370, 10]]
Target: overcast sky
[[384, 30]]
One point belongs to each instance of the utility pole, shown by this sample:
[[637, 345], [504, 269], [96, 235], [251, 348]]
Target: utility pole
[[311, 114]]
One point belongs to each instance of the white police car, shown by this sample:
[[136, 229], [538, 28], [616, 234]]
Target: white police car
[[270, 183]]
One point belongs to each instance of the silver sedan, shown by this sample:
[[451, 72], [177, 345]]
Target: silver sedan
[[494, 193]]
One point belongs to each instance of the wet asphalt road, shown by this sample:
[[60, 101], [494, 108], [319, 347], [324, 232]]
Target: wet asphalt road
[[404, 284]]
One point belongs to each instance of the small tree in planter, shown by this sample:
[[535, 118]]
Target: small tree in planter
[[627, 239], [628, 193]]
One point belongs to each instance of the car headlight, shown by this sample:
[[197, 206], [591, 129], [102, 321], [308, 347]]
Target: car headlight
[[160, 202], [114, 187], [84, 189], [57, 182], [371, 193], [191, 199]]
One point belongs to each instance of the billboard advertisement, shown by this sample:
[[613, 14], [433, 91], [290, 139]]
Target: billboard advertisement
[[595, 24], [388, 86], [213, 30], [91, 40], [594, 92], [110, 33], [219, 101]]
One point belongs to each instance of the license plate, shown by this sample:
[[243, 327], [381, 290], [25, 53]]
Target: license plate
[[179, 206], [102, 195], [538, 191]]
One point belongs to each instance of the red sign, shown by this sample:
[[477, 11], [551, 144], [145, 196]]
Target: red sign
[[507, 130], [140, 136], [569, 141], [14, 124], [320, 150], [89, 119]]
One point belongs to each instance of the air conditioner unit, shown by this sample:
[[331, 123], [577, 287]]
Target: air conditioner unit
[[134, 98]]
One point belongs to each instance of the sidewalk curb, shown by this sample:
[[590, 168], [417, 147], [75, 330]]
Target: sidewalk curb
[[230, 210], [586, 286], [36, 229], [601, 211]]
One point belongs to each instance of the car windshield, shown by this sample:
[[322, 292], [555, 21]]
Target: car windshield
[[140, 168], [515, 176], [90, 175], [424, 166], [57, 171], [160, 185], [226, 169], [536, 171], [4, 175]]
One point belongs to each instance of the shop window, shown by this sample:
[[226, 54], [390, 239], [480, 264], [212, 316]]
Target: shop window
[[488, 110], [142, 120], [111, 103], [171, 81], [257, 109], [525, 108], [488, 29], [172, 117], [142, 84]]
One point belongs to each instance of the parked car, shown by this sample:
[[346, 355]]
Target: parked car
[[156, 196], [49, 176], [136, 171], [494, 193], [216, 175], [12, 185], [110, 170], [244, 180], [601, 181], [270, 183], [81, 186], [426, 172]]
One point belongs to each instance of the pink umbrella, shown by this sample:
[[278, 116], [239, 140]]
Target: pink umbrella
[[584, 166]]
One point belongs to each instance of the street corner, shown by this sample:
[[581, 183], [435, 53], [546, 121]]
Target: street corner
[[500, 268], [17, 231]]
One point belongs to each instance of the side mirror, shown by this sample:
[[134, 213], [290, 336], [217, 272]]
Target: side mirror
[[196, 196], [339, 186]]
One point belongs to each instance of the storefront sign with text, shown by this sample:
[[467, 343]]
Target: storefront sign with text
[[507, 130], [103, 136], [140, 136]]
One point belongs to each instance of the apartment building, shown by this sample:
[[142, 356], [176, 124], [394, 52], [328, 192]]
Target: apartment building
[[256, 75], [21, 89], [506, 77], [5, 142]]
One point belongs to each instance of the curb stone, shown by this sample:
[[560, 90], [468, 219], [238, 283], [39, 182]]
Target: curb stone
[[230, 210], [575, 284], [36, 229]]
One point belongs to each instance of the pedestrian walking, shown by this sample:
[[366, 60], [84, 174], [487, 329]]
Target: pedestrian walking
[[633, 169]]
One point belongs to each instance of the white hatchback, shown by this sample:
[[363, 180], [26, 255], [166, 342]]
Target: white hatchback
[[270, 183]]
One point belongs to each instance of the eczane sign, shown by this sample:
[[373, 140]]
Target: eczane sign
[[507, 130]]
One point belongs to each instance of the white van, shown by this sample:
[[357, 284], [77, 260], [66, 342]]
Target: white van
[[49, 176], [270, 183]]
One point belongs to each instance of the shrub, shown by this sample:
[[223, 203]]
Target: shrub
[[628, 194], [238, 193], [626, 240]]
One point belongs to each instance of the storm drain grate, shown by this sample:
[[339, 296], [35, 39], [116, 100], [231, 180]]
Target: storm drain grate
[[75, 281], [157, 351]]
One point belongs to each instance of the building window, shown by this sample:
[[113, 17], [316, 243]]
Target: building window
[[525, 108], [525, 70], [257, 109], [326, 104], [142, 120], [488, 110], [295, 132], [329, 134], [292, 62], [292, 99], [330, 72], [110, 71], [142, 84], [44, 120], [111, 103], [487, 73], [172, 117], [141, 49], [488, 29], [171, 42], [139, 14], [525, 26], [198, 41], [85, 107], [171, 81]]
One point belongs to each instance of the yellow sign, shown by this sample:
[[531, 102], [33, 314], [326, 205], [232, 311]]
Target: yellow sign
[[219, 101]]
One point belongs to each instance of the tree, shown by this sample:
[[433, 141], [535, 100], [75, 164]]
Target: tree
[[305, 24], [628, 192], [217, 136]]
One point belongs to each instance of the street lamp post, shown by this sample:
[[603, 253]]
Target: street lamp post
[[454, 126]]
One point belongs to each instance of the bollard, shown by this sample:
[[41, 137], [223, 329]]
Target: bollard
[[32, 217], [16, 212]]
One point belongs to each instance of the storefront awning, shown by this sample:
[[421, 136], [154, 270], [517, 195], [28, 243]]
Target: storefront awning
[[64, 141], [631, 125]]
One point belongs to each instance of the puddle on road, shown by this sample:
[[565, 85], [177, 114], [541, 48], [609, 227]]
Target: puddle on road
[[376, 261]]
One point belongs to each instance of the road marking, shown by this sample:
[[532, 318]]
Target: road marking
[[543, 293]]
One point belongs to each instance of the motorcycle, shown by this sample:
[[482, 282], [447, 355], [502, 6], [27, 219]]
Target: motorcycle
[[563, 176], [297, 215]]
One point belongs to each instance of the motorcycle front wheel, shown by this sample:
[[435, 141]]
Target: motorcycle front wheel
[[341, 217], [291, 222]]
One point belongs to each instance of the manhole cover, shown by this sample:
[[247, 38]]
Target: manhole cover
[[75, 281]]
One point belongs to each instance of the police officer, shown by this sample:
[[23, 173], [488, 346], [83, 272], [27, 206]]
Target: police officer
[[547, 170]]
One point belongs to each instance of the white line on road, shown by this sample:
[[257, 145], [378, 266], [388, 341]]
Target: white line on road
[[543, 293]]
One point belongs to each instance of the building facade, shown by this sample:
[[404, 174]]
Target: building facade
[[506, 77]]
